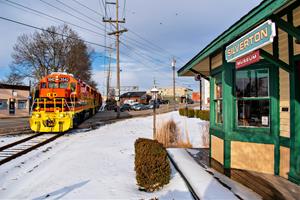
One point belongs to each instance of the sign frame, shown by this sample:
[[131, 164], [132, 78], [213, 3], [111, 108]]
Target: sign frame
[[240, 42]]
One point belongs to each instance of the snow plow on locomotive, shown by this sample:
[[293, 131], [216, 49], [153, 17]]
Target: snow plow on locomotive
[[61, 102]]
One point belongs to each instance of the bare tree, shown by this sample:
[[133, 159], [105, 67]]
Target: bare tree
[[13, 79], [57, 49]]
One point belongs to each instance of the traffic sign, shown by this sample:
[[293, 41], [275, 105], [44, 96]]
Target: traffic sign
[[197, 77]]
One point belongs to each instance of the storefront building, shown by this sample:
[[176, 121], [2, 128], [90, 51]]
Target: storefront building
[[254, 72], [14, 100]]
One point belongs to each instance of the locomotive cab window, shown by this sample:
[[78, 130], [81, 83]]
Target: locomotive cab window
[[43, 85], [52, 85], [63, 85], [252, 98]]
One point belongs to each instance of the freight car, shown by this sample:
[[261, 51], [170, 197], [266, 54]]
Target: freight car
[[61, 102]]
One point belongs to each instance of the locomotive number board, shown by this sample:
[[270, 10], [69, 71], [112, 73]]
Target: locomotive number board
[[61, 79]]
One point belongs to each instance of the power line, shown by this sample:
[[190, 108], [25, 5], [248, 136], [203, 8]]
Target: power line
[[129, 38], [155, 60], [89, 7], [64, 11], [148, 57], [153, 44], [49, 16], [142, 38], [78, 12], [42, 29]]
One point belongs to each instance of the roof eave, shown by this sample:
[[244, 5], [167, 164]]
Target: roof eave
[[260, 12]]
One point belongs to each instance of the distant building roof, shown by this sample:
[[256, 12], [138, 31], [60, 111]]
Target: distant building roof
[[14, 87], [133, 94]]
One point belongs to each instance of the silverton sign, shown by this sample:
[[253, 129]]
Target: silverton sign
[[255, 39]]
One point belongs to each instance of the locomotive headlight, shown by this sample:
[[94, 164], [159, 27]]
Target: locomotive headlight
[[37, 115], [61, 115]]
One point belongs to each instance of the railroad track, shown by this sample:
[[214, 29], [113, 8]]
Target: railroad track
[[16, 149]]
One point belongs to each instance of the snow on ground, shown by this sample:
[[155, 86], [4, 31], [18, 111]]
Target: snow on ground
[[98, 164], [4, 140]]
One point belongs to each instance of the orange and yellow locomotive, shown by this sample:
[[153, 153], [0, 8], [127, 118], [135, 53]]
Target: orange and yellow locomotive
[[61, 102]]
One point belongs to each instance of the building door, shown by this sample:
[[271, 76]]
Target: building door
[[12, 108]]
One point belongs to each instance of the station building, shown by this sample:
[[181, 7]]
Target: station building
[[14, 100], [254, 72]]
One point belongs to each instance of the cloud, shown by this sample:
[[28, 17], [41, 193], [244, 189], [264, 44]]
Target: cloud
[[179, 28]]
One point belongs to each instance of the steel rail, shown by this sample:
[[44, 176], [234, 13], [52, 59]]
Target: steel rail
[[25, 151], [19, 142]]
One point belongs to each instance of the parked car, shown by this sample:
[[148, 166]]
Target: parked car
[[164, 101], [138, 107], [158, 102], [190, 101], [151, 105], [124, 107]]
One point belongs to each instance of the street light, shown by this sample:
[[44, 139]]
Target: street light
[[154, 92], [173, 67], [186, 98]]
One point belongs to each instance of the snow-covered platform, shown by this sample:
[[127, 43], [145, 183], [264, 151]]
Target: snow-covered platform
[[207, 183]]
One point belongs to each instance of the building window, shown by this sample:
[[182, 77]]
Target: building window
[[22, 104], [218, 98], [252, 98], [3, 104]]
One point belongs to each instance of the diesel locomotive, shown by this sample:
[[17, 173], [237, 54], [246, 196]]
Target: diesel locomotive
[[61, 102]]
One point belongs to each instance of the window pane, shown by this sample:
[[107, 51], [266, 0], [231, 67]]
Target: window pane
[[22, 104], [218, 86], [3, 104], [218, 111], [252, 83], [52, 85], [63, 85], [253, 113], [43, 85]]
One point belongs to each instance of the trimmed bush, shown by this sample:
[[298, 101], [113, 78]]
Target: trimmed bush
[[196, 112], [151, 164], [191, 113], [203, 114], [181, 111]]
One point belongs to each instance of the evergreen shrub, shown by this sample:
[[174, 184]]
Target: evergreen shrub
[[196, 113], [181, 111], [151, 164], [191, 113], [203, 114]]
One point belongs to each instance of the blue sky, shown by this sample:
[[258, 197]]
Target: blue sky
[[173, 27]]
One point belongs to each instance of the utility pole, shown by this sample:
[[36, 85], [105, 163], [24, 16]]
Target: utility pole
[[108, 75], [117, 34], [174, 99], [154, 92]]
